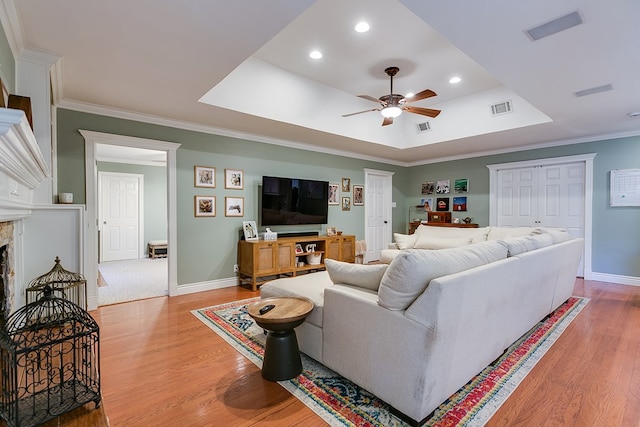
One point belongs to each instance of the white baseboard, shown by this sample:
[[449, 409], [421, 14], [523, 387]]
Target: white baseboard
[[614, 278], [209, 285]]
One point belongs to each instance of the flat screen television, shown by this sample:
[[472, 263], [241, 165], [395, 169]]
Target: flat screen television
[[293, 201]]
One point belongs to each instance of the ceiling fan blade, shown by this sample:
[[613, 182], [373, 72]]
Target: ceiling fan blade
[[427, 93], [359, 112], [424, 111], [387, 121], [370, 98]]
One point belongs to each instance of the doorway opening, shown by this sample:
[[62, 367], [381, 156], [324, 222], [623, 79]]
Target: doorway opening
[[99, 150]]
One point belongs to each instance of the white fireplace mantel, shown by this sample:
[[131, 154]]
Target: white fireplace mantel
[[22, 165]]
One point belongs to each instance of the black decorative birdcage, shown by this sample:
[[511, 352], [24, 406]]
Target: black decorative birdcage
[[66, 284], [50, 356]]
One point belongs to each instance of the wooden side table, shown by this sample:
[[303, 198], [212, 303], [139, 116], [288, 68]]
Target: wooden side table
[[281, 354]]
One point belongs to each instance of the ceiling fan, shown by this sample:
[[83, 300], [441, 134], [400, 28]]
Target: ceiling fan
[[393, 105]]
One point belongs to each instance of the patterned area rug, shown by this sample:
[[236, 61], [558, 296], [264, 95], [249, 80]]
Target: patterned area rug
[[341, 403]]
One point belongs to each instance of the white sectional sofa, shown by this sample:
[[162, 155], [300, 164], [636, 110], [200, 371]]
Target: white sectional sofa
[[415, 330]]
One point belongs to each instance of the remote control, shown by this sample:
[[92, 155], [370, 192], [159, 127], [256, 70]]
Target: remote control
[[266, 308]]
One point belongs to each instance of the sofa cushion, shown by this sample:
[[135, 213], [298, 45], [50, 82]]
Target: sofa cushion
[[501, 233], [519, 245], [541, 240], [558, 235], [475, 234], [360, 275], [430, 242], [309, 286], [405, 241], [410, 272]]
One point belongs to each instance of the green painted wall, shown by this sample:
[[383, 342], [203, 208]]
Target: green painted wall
[[616, 231], [7, 63], [155, 196], [207, 246]]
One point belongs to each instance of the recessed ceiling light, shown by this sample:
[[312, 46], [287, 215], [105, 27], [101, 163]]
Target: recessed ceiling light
[[315, 54], [455, 80], [362, 27]]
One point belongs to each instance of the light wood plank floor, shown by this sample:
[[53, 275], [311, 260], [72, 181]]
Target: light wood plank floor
[[162, 366]]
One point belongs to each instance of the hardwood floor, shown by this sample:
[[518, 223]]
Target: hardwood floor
[[162, 366]]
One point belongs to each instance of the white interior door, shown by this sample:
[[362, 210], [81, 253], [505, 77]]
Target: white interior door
[[120, 219], [543, 196], [377, 212]]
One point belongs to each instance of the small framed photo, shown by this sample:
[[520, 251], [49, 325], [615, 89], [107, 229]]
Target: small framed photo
[[233, 179], [205, 205], [427, 204], [358, 195], [442, 187], [334, 194], [204, 176], [332, 231], [234, 206], [299, 249], [250, 230], [428, 187], [461, 185], [346, 185], [460, 204], [346, 203], [442, 204]]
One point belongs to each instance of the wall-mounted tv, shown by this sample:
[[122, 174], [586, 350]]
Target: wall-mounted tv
[[292, 201]]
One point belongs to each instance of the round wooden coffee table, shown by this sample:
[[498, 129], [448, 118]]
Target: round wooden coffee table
[[281, 355]]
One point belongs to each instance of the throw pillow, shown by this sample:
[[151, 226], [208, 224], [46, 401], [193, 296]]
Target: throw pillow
[[405, 241], [558, 235], [410, 272], [361, 275], [519, 245]]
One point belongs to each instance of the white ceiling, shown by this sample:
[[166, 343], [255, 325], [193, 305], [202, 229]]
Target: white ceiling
[[242, 68]]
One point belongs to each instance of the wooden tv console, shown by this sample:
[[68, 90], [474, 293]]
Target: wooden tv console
[[262, 260]]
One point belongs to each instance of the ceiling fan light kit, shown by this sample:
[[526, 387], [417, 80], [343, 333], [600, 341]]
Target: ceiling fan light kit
[[392, 105]]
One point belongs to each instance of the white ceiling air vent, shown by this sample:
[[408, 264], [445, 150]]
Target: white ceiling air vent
[[423, 127], [500, 108], [552, 27]]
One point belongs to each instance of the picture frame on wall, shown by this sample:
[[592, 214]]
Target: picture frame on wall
[[233, 206], [346, 203], [250, 230], [204, 176], [346, 185], [442, 204], [442, 186], [460, 204], [428, 187], [233, 179], [204, 206], [334, 194], [358, 195], [461, 185]]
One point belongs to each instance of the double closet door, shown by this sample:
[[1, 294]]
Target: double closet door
[[540, 195]]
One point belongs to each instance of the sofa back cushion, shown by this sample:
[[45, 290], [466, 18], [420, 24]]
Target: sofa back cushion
[[361, 275], [411, 271], [405, 241], [501, 233]]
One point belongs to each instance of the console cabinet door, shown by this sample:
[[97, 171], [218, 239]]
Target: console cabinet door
[[265, 257], [348, 249], [286, 257], [333, 248]]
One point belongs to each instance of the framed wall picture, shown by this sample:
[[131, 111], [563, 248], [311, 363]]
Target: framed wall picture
[[428, 187], [358, 195], [205, 205], [334, 194], [427, 204], [442, 186], [346, 203], [460, 204], [234, 206], [250, 230], [346, 185], [204, 176], [442, 204], [461, 185], [233, 179]]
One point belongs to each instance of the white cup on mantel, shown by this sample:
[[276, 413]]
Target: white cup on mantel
[[65, 198]]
